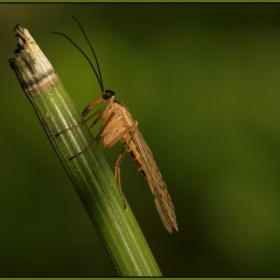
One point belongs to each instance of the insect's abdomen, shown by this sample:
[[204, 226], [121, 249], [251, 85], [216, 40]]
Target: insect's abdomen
[[132, 150]]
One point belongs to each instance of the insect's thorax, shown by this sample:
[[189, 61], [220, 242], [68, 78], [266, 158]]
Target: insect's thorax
[[118, 123]]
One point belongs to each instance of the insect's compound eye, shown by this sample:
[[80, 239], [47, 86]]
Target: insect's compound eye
[[108, 94]]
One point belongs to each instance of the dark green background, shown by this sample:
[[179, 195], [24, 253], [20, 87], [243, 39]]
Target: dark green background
[[203, 81]]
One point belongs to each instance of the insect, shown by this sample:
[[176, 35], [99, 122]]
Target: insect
[[119, 125]]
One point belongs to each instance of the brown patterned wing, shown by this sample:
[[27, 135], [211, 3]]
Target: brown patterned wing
[[157, 186]]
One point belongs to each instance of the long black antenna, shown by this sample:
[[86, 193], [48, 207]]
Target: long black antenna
[[95, 57], [99, 72]]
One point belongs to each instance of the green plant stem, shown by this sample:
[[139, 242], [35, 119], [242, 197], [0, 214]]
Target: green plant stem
[[89, 173]]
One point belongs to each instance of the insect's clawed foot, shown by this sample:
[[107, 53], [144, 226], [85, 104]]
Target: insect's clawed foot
[[56, 135], [76, 155]]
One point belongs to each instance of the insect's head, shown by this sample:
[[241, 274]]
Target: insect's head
[[107, 94]]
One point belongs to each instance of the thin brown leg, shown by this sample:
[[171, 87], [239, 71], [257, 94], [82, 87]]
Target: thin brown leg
[[118, 163], [118, 174], [83, 122], [97, 139]]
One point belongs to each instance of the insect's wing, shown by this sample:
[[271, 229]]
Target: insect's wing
[[157, 185]]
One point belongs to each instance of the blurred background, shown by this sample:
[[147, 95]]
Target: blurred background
[[203, 81]]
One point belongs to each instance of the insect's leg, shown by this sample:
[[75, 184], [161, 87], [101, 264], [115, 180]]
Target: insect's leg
[[97, 139], [118, 174], [118, 163], [83, 122]]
